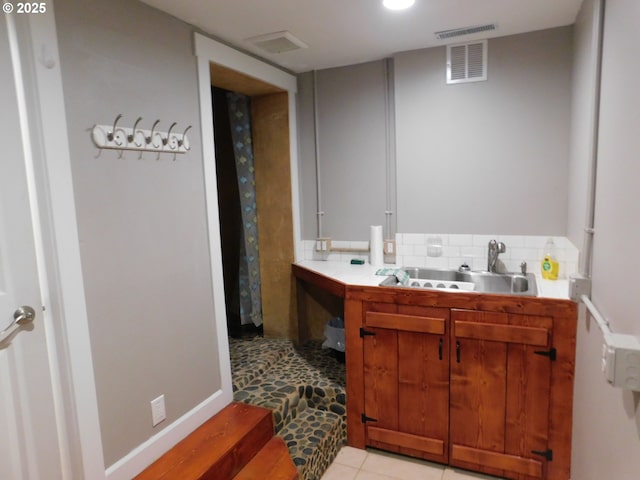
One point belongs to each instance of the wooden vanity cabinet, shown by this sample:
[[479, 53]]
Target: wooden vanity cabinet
[[406, 379], [482, 382]]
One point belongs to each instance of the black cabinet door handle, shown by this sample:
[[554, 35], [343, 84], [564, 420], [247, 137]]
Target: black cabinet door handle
[[440, 349], [457, 351]]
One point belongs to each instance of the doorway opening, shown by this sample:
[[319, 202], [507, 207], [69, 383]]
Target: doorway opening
[[270, 139], [237, 211]]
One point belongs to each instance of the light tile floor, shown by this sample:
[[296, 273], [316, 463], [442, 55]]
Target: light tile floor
[[355, 464]]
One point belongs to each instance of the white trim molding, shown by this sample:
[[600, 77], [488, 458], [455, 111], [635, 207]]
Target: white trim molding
[[220, 54], [147, 452], [209, 51], [57, 241]]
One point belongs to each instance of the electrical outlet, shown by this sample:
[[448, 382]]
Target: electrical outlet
[[390, 247], [579, 285], [158, 411], [621, 361], [323, 244]]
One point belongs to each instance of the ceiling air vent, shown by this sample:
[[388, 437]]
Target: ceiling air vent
[[458, 32], [467, 62], [278, 42]]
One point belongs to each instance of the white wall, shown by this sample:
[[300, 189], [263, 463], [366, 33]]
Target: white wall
[[606, 438], [491, 156], [142, 221]]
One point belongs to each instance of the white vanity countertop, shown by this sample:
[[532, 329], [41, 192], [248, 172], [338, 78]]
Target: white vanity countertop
[[365, 275]]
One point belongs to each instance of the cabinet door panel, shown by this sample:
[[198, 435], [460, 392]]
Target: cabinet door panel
[[516, 466], [502, 333], [528, 391], [423, 385], [406, 363], [500, 392], [478, 391], [381, 377], [407, 443], [407, 323]]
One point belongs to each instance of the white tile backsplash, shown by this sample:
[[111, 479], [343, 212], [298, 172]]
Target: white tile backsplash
[[414, 239], [460, 240], [482, 240], [412, 250], [421, 250], [472, 250]]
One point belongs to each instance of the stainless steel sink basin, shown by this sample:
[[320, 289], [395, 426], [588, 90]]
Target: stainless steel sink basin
[[447, 275], [486, 282], [505, 283]]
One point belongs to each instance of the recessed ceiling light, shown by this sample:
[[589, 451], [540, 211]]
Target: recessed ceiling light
[[398, 4]]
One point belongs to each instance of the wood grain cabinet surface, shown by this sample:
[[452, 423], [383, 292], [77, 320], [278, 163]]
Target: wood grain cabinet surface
[[500, 387], [406, 380], [482, 382]]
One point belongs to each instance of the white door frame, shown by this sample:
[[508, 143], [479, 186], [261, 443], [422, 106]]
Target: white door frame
[[58, 248], [209, 51]]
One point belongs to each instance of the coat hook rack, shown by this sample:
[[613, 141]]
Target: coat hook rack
[[123, 138]]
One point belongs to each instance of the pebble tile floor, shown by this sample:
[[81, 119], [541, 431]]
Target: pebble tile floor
[[355, 464]]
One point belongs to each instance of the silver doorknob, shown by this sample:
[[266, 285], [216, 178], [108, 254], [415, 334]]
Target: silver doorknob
[[24, 315]]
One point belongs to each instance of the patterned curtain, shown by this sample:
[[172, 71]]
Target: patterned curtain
[[249, 284]]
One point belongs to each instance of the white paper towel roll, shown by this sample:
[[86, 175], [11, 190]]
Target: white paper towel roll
[[376, 246]]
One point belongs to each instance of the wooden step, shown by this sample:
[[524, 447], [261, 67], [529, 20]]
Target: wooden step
[[218, 449], [272, 462]]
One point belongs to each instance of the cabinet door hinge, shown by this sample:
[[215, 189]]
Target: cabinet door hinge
[[552, 354], [366, 419], [364, 332], [547, 454]]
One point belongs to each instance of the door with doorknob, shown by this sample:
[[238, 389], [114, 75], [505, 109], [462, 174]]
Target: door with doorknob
[[29, 440]]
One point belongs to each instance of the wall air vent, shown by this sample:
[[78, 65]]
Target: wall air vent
[[458, 32], [467, 62], [277, 42]]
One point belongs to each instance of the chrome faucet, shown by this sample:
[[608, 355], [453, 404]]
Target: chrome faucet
[[495, 248]]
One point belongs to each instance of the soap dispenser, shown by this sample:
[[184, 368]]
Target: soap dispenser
[[550, 261]]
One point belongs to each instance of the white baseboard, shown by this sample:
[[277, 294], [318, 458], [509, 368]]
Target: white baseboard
[[146, 453]]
